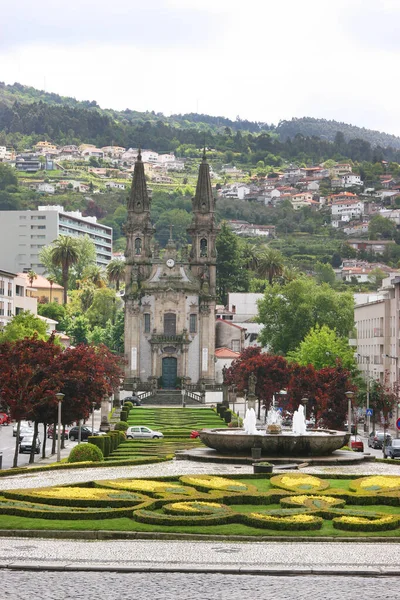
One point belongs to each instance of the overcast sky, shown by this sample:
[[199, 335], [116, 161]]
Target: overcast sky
[[264, 60]]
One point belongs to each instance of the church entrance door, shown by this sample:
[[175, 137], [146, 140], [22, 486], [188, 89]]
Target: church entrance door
[[169, 372]]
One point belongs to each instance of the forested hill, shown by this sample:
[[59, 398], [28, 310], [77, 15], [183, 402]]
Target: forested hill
[[328, 130], [28, 115]]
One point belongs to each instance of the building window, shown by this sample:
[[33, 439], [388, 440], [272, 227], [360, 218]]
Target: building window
[[236, 345], [1, 308], [9, 310], [169, 324], [192, 323], [1, 287], [147, 323], [10, 288], [203, 247]]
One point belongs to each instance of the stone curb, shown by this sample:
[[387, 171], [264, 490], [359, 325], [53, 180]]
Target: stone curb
[[105, 535], [350, 571]]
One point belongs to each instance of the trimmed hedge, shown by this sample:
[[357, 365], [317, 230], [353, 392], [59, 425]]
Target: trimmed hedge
[[121, 426], [85, 452]]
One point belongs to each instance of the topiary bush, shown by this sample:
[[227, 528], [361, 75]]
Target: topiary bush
[[97, 440], [128, 405], [85, 452], [121, 426]]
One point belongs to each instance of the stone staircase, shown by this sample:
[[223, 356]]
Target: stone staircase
[[168, 398]]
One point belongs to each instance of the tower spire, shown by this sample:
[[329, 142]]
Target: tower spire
[[139, 200], [203, 200]]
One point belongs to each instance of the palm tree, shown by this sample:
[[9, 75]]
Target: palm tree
[[250, 255], [64, 254], [270, 264], [31, 277], [116, 272], [52, 280], [95, 274]]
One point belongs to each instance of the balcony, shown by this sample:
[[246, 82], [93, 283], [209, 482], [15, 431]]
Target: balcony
[[161, 338]]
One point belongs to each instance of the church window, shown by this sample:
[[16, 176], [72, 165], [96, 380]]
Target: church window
[[193, 323], [169, 324], [147, 323], [138, 246], [203, 247]]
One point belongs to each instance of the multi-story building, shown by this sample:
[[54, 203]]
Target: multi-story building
[[28, 162], [23, 233], [378, 332], [13, 297]]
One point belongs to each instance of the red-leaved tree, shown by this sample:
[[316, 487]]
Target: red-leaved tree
[[28, 381]]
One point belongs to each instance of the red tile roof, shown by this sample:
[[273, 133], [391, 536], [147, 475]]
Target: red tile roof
[[226, 353]]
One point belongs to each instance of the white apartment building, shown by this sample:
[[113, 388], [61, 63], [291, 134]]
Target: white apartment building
[[347, 208], [23, 233], [377, 323]]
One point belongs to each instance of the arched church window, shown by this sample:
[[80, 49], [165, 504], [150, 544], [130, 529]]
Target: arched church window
[[138, 246], [203, 247], [169, 324]]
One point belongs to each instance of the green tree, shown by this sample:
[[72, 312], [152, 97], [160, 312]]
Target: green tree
[[7, 177], [270, 264], [31, 277], [179, 219], [86, 258], [24, 325], [103, 307], [289, 312], [322, 347], [377, 276], [79, 329], [55, 311], [64, 254], [116, 272], [232, 275], [325, 273], [380, 227]]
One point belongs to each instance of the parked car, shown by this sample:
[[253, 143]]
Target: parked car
[[25, 432], [139, 431], [50, 430], [23, 424], [134, 399], [392, 449], [26, 444], [86, 431], [4, 418], [376, 439], [357, 444]]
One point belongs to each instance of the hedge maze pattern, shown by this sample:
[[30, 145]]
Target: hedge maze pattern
[[305, 502]]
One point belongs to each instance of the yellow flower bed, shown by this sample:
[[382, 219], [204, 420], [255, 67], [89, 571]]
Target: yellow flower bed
[[207, 482], [287, 523], [376, 522], [292, 519], [205, 508], [376, 483], [146, 486], [299, 482], [314, 502], [78, 496]]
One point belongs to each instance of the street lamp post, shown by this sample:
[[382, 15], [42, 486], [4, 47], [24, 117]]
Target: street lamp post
[[93, 407], [60, 398], [349, 396], [368, 359]]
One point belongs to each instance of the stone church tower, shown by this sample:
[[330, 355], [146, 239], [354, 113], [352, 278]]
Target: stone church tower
[[170, 299]]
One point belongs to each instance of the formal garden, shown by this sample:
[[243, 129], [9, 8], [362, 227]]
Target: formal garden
[[288, 504]]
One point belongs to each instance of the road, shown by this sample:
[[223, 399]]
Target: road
[[7, 447], [175, 586]]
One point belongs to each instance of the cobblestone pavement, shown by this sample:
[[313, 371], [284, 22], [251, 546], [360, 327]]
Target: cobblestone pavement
[[172, 468], [196, 555], [120, 586]]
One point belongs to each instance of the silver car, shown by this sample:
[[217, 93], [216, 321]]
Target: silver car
[[26, 444], [139, 431]]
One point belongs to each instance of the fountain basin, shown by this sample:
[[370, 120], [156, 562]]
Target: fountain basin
[[319, 442]]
